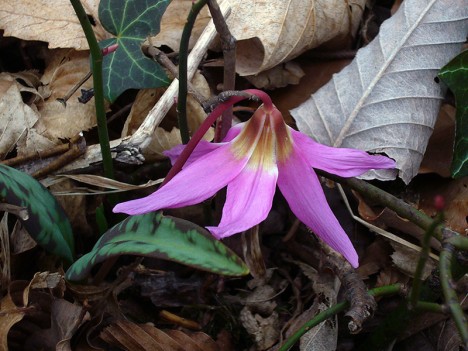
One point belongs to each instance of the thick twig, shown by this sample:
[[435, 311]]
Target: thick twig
[[145, 133], [362, 305], [228, 43]]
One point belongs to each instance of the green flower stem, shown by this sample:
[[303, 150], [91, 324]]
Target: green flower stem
[[451, 299], [183, 57], [433, 307], [399, 206], [96, 67], [417, 282], [339, 307], [460, 242]]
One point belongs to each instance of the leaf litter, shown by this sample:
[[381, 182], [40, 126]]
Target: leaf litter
[[233, 313]]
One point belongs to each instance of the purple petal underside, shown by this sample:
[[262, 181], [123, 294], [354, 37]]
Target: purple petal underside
[[301, 188], [340, 161], [203, 147], [194, 184]]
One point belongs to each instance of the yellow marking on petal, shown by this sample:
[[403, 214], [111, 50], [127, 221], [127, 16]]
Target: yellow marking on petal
[[265, 140]]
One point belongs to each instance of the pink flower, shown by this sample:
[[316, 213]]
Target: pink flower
[[254, 157]]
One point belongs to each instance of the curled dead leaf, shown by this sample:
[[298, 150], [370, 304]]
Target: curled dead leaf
[[54, 22], [293, 27]]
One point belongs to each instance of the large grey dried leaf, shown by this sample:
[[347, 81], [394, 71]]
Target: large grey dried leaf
[[386, 100]]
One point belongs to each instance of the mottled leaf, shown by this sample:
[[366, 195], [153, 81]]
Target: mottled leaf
[[455, 75], [131, 21], [47, 223], [163, 237]]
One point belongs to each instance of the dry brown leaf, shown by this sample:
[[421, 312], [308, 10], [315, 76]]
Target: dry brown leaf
[[130, 336], [293, 26], [20, 240], [10, 314], [54, 22], [278, 76], [455, 194], [64, 70], [173, 22], [16, 118], [439, 151], [406, 260]]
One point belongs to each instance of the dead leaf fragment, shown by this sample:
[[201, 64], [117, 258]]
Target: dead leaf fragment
[[53, 22], [64, 70], [271, 32], [16, 118], [173, 22]]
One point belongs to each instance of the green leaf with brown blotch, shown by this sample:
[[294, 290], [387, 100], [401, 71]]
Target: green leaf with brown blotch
[[164, 237], [47, 223], [455, 75]]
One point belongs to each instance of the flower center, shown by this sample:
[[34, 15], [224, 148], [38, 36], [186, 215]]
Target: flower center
[[265, 140]]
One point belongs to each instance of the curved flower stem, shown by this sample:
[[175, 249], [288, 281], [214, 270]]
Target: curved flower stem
[[234, 97], [417, 282], [381, 291], [399, 206], [183, 56], [450, 295], [96, 68]]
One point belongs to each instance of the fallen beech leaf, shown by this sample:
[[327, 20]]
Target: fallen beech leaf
[[293, 27], [16, 118], [386, 100], [173, 22], [406, 260], [54, 22]]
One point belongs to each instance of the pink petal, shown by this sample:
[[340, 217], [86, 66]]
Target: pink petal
[[203, 147], [301, 188], [340, 161], [248, 201], [194, 184]]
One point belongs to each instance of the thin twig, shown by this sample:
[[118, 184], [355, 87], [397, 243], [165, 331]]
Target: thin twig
[[183, 57], [228, 44]]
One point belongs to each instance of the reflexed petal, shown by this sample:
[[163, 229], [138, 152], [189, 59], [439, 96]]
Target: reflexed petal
[[301, 188], [192, 185], [248, 201], [340, 161], [203, 147]]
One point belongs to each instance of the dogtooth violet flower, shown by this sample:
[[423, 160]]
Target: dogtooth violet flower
[[253, 158]]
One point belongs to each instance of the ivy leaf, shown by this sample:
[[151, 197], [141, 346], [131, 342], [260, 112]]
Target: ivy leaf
[[164, 237], [455, 75], [47, 223], [131, 21]]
